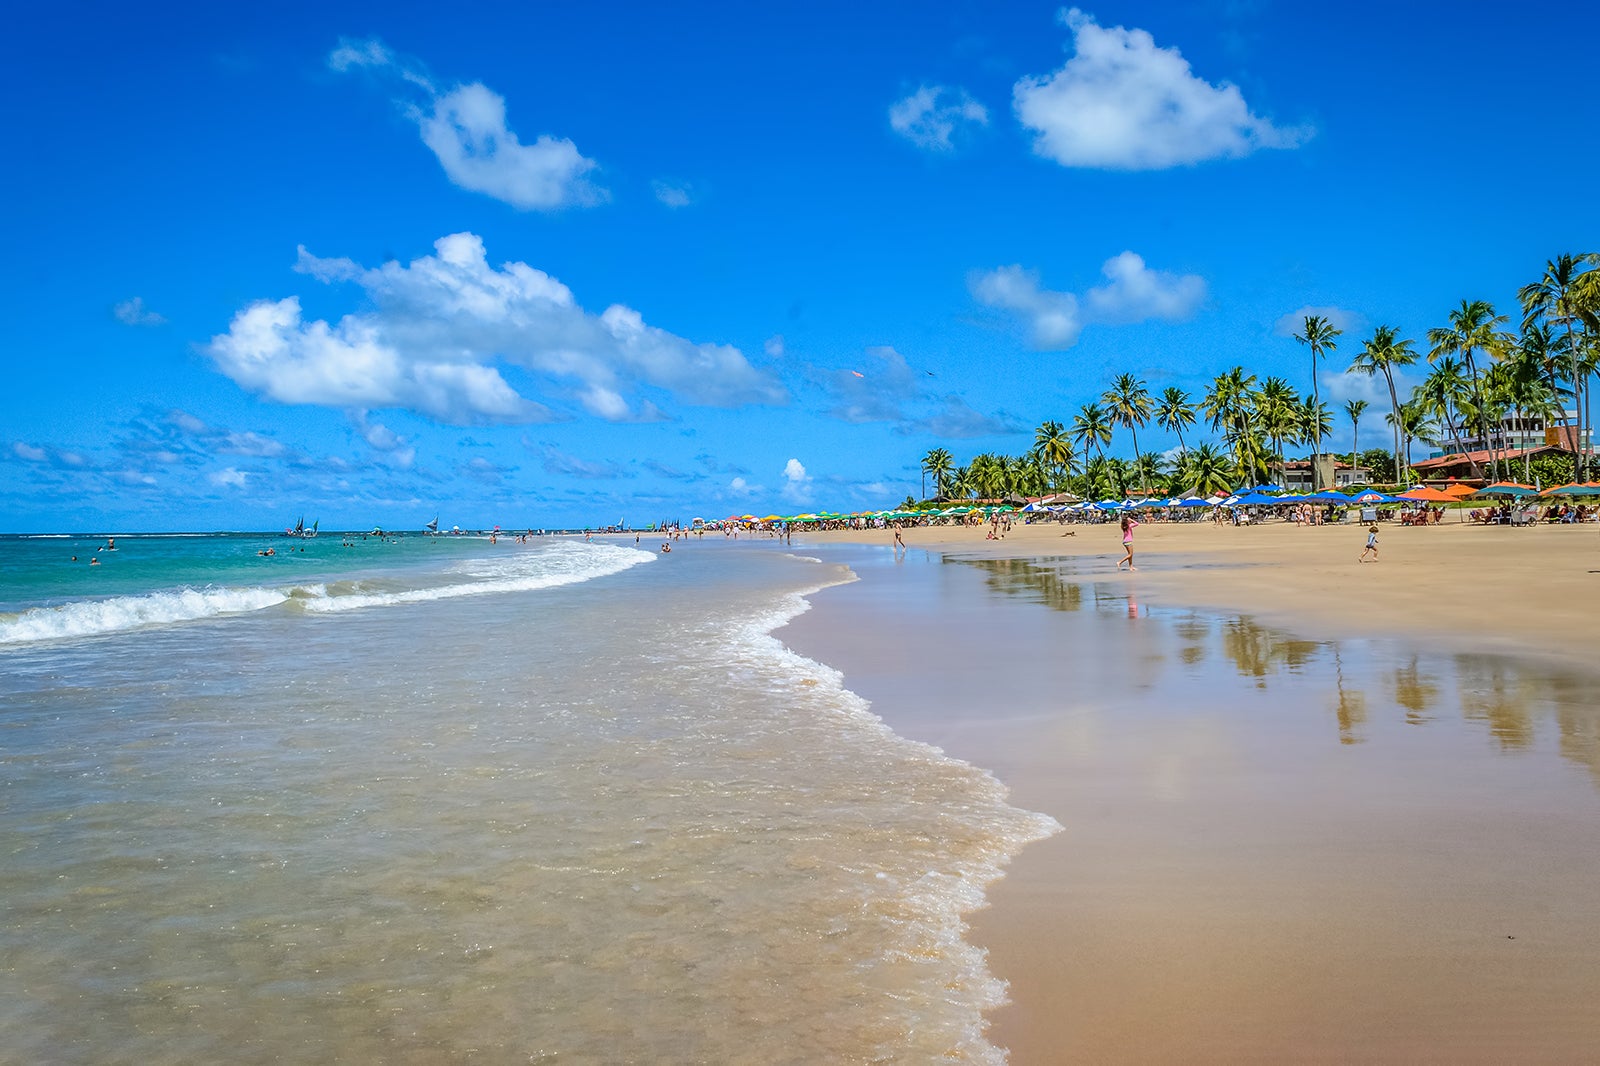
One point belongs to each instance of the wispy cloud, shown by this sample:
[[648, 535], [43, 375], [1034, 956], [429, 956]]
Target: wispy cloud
[[673, 194], [933, 116], [465, 126], [1122, 103], [1132, 293], [134, 313]]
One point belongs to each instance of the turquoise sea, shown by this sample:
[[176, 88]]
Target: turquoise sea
[[436, 799]]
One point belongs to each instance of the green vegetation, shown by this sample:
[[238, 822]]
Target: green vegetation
[[1479, 373]]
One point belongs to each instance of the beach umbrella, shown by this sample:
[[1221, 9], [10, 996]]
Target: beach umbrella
[[1424, 494], [1374, 496], [1459, 490], [1252, 499], [1508, 488], [1591, 488], [1328, 496], [1268, 487], [1195, 501]]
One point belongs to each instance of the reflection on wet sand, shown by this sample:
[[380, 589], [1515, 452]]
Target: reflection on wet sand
[[1508, 698]]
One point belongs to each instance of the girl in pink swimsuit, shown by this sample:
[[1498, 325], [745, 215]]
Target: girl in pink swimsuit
[[1128, 523]]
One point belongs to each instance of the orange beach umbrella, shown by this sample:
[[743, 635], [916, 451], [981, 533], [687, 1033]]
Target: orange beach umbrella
[[1428, 495]]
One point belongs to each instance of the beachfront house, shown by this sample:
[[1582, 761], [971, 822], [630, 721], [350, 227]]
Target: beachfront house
[[1297, 475], [1521, 433]]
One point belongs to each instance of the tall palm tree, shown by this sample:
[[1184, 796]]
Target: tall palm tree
[[1228, 404], [1382, 355], [1278, 414], [1128, 404], [938, 463], [1471, 329], [1053, 446], [1174, 412], [1355, 409], [1444, 394], [1091, 427], [1321, 336], [1148, 470], [1557, 297]]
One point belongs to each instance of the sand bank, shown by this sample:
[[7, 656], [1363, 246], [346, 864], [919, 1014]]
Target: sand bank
[[1333, 814], [1525, 590]]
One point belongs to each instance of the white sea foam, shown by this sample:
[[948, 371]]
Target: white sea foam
[[561, 565], [519, 572], [118, 613]]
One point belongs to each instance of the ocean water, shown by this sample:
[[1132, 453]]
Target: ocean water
[[436, 800]]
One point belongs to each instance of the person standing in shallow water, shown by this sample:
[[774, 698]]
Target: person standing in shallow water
[[1128, 522]]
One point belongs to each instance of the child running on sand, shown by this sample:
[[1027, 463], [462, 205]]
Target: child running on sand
[[1372, 546], [1128, 522]]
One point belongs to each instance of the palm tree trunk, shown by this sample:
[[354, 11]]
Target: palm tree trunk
[[1394, 399]]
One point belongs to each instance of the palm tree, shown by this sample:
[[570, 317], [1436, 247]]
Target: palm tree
[[1053, 446], [1148, 470], [1355, 409], [1555, 297], [1128, 402], [1206, 470], [1228, 403], [1091, 426], [1173, 412], [1278, 415], [1320, 336], [1471, 328], [1382, 354], [938, 462], [1443, 395]]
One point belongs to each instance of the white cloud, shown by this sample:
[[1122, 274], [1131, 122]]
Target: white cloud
[[1121, 103], [1133, 293], [876, 393], [1136, 293], [439, 326], [28, 453], [465, 127], [467, 131], [796, 482], [741, 488], [228, 477], [1053, 318], [1351, 322], [774, 346], [134, 313], [673, 194], [931, 116], [957, 420]]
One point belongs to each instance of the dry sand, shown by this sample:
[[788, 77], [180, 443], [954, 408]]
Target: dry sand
[[1286, 838]]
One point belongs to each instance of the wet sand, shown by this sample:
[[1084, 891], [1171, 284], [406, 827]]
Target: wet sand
[[1299, 824]]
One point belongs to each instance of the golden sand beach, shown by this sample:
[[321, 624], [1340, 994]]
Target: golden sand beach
[[1314, 810]]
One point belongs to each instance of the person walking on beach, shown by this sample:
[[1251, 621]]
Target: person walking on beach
[[1372, 545], [899, 544], [1128, 522]]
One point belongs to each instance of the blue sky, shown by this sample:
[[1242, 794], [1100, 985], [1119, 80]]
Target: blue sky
[[557, 266]]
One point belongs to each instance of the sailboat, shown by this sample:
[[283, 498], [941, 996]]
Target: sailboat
[[313, 530], [299, 529], [432, 528]]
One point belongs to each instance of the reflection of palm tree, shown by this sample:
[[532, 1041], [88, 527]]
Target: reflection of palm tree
[[1352, 706], [1415, 692], [1320, 336]]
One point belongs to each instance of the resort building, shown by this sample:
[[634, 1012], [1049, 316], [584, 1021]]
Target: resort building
[[1297, 475], [1524, 432]]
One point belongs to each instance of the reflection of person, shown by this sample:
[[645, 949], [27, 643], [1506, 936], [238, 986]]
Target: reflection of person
[[1372, 545], [1128, 522]]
